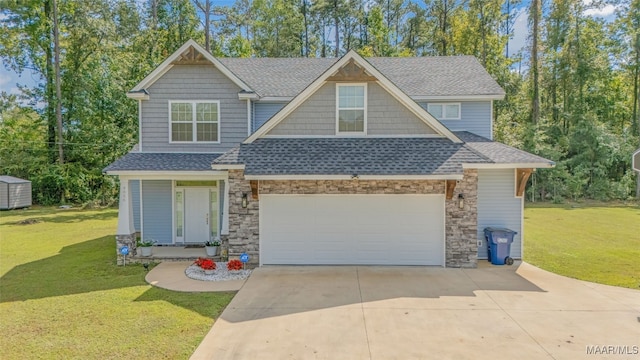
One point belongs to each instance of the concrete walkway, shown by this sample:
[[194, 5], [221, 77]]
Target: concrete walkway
[[518, 312], [170, 275]]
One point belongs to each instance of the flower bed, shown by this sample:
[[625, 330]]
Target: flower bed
[[221, 273]]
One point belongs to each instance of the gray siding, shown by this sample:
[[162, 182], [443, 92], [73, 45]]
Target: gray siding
[[263, 112], [157, 211], [475, 117], [385, 115], [498, 207], [316, 116], [192, 82], [135, 202]]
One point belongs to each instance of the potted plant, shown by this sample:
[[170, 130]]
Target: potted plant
[[145, 246], [208, 265], [212, 247]]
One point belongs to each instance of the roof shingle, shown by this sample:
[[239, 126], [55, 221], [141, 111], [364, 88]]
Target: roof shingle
[[136, 161], [416, 76], [347, 156]]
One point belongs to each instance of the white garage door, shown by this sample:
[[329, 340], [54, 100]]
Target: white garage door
[[352, 229]]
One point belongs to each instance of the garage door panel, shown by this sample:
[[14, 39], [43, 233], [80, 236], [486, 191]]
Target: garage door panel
[[352, 229]]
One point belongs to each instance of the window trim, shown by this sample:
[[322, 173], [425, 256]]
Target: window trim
[[443, 104], [364, 126], [194, 123]]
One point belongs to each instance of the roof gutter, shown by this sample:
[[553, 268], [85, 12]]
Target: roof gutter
[[353, 177], [541, 165], [141, 94]]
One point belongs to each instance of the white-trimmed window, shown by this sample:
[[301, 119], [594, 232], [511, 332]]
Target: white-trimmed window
[[194, 121], [444, 111], [351, 108]]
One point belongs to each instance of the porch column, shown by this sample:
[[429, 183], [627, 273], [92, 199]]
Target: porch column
[[126, 234], [225, 209]]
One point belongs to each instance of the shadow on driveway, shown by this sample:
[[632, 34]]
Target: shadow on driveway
[[277, 291]]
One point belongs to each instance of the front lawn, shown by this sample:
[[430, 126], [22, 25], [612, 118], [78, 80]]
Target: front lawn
[[63, 297], [593, 242]]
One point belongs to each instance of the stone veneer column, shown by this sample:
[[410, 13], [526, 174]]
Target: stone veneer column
[[462, 224], [125, 240], [244, 234], [125, 234]]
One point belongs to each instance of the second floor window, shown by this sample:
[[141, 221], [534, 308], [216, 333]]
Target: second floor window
[[351, 108], [194, 121], [445, 111]]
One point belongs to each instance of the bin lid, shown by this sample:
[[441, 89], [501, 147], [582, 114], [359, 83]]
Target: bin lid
[[498, 229]]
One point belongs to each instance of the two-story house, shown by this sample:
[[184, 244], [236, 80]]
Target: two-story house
[[353, 160]]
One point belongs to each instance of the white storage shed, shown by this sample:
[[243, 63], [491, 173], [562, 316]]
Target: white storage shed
[[14, 192]]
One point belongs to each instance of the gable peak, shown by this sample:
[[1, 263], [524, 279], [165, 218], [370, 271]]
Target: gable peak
[[351, 71]]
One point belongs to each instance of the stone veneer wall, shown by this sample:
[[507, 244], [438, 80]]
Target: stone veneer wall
[[243, 222], [461, 225], [125, 240], [461, 247]]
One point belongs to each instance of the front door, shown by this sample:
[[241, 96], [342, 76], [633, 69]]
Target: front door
[[196, 215]]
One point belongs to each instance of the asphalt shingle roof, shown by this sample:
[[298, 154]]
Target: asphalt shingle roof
[[499, 153], [347, 156], [136, 161], [416, 76], [372, 156]]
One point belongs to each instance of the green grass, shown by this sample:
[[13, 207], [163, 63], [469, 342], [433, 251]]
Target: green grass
[[63, 297], [593, 242]]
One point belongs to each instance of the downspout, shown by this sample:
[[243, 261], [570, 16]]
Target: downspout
[[249, 117]]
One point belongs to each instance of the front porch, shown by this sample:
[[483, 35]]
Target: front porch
[[173, 253]]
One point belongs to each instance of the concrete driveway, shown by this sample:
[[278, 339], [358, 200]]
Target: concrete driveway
[[518, 312]]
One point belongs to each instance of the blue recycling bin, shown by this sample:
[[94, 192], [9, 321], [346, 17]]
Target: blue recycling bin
[[499, 245]]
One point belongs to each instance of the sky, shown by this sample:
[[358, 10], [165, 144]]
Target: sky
[[9, 79]]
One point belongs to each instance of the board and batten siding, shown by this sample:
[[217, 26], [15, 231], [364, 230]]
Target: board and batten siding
[[134, 185], [385, 115], [264, 111], [499, 207], [475, 117], [192, 82], [157, 211]]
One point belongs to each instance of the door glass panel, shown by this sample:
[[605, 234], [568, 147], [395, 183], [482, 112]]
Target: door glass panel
[[214, 214], [179, 214]]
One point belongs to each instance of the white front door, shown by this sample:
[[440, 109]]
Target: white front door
[[196, 215]]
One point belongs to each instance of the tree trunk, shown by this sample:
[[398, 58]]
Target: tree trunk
[[49, 90], [336, 21], [56, 63], [535, 99], [206, 10]]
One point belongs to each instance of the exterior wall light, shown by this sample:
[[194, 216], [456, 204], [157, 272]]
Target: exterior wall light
[[245, 200], [461, 201]]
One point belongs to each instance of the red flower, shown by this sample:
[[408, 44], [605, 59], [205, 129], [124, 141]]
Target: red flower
[[234, 265], [205, 264]]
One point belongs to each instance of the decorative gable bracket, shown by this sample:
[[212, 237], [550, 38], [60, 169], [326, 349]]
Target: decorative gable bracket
[[451, 185], [522, 176], [254, 189]]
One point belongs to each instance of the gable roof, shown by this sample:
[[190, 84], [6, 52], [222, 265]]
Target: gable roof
[[344, 158], [137, 161], [429, 77], [140, 89], [373, 158], [501, 154], [383, 81]]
